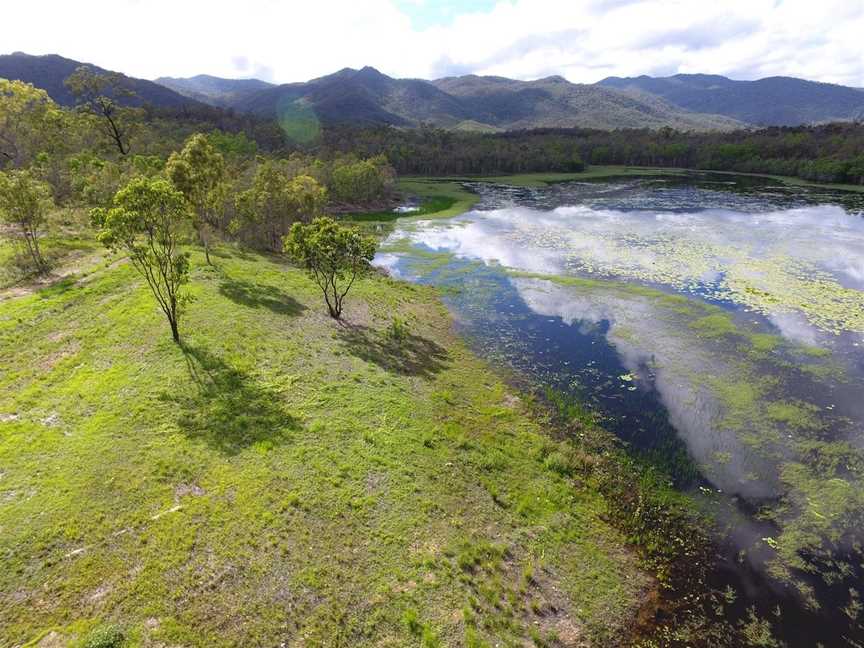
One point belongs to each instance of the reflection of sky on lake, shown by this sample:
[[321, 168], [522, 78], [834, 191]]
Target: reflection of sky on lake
[[807, 260], [756, 265], [719, 255], [647, 337]]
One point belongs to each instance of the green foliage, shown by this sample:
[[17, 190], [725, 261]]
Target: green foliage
[[357, 181], [235, 145], [275, 201], [399, 329], [825, 153], [102, 94], [198, 172], [333, 254], [146, 222], [24, 204], [106, 636], [30, 123]]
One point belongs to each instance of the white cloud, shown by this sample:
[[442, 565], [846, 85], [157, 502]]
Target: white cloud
[[583, 40]]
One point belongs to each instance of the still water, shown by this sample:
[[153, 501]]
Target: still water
[[715, 318]]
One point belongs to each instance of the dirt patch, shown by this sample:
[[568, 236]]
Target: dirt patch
[[72, 266], [569, 634], [52, 640], [52, 420], [51, 360], [99, 593], [183, 490]]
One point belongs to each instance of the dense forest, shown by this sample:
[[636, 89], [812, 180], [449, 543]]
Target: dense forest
[[826, 153]]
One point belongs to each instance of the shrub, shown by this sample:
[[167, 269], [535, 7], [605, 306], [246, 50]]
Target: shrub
[[105, 636]]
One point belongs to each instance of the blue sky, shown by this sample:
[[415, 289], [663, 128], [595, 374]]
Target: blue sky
[[426, 13], [581, 40]]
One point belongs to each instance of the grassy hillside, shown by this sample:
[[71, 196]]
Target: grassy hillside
[[281, 479]]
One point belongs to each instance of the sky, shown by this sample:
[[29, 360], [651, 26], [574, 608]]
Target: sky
[[582, 40]]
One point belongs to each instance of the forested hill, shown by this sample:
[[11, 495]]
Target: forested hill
[[215, 91], [368, 97], [774, 101], [50, 71]]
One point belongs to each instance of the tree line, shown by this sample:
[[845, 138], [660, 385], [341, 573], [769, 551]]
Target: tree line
[[823, 153]]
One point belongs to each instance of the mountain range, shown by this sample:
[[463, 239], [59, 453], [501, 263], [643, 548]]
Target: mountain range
[[367, 96], [695, 102], [774, 101]]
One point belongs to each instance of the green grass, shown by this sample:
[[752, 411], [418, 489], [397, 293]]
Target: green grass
[[437, 190], [431, 205], [281, 478], [596, 172]]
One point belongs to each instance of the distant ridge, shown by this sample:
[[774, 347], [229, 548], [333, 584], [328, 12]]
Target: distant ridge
[[214, 90], [50, 71], [773, 101], [366, 96]]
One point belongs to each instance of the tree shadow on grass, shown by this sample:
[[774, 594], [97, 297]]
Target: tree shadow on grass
[[232, 253], [255, 295], [228, 409], [412, 355]]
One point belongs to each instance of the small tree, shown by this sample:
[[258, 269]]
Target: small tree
[[333, 254], [198, 171], [30, 122], [101, 94], [146, 221], [24, 204]]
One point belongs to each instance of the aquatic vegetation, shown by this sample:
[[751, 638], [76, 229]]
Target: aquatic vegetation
[[745, 325], [746, 259]]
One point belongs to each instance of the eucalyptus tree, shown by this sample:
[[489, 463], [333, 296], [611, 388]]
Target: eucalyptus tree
[[103, 94], [25, 202], [276, 200], [30, 123], [146, 221], [333, 254], [198, 171]]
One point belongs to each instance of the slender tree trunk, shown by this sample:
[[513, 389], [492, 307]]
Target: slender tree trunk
[[172, 319], [33, 247], [202, 239], [175, 333], [116, 136], [37, 255]]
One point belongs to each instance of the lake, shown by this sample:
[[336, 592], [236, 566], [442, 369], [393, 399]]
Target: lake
[[712, 317]]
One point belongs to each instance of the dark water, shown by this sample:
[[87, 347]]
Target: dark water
[[714, 323]]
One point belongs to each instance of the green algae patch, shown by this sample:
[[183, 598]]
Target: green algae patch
[[714, 326], [794, 415]]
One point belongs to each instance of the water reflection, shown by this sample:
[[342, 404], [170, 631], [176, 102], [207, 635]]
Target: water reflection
[[662, 355], [714, 317]]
